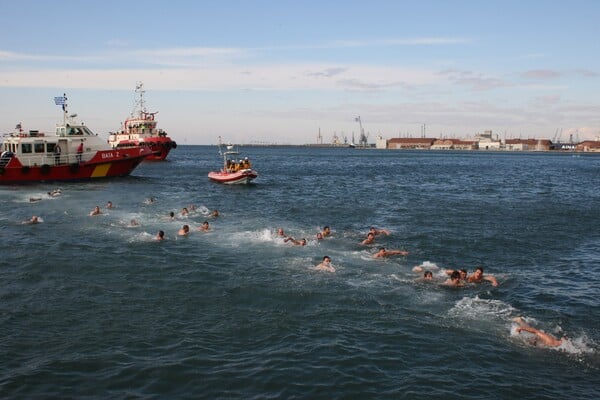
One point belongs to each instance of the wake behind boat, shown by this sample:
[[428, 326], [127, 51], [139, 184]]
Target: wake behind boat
[[140, 129], [74, 152], [234, 171]]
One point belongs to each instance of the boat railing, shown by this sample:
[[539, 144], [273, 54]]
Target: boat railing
[[54, 159]]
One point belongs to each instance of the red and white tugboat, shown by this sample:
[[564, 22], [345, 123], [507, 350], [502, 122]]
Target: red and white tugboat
[[73, 153], [235, 171], [140, 129]]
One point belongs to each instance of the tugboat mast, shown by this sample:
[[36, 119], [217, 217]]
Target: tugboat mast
[[139, 88], [64, 107]]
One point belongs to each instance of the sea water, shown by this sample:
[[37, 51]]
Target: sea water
[[95, 307]]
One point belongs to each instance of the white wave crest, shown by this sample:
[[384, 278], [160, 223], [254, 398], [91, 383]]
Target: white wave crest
[[476, 308]]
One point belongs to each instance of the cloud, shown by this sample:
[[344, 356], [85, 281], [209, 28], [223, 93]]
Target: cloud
[[225, 77], [587, 73], [541, 74], [473, 80], [326, 73], [425, 41], [187, 55], [356, 84], [12, 56], [549, 100], [189, 52]]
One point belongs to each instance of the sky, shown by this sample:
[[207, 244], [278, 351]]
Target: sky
[[280, 72]]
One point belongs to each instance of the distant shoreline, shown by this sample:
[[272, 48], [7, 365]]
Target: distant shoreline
[[332, 146]]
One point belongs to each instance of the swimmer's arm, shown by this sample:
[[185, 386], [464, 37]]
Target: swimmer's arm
[[527, 329], [491, 279]]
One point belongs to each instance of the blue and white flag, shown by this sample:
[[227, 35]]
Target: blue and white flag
[[61, 101]]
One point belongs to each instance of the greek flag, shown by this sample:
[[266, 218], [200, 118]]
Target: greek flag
[[61, 101]]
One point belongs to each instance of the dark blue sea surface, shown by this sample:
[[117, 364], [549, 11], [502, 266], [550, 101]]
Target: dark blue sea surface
[[92, 307]]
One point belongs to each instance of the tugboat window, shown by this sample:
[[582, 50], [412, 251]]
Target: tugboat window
[[50, 147], [26, 147], [39, 147]]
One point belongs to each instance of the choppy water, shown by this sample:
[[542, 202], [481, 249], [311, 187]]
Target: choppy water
[[90, 307]]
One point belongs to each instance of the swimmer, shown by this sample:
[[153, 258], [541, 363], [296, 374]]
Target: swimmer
[[370, 238], [319, 236], [34, 199], [462, 272], [326, 231], [109, 205], [214, 214], [184, 231], [301, 242], [184, 211], [376, 231], [386, 253], [33, 220], [150, 200], [133, 223], [55, 193], [325, 265], [428, 276], [172, 216], [281, 233], [95, 211], [478, 277], [204, 227], [160, 235], [543, 337], [454, 279]]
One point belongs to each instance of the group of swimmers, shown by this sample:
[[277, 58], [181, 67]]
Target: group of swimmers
[[302, 242], [160, 235], [53, 193], [459, 277], [456, 278], [34, 218], [326, 232]]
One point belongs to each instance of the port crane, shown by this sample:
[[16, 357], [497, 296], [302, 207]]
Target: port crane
[[557, 134], [363, 138]]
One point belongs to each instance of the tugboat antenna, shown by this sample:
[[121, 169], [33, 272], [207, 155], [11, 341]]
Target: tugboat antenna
[[139, 88], [64, 107]]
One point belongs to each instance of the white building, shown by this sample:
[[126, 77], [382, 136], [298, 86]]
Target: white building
[[487, 142]]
